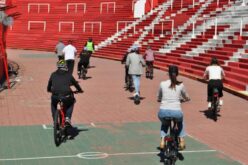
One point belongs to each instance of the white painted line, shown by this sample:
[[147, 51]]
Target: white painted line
[[44, 126], [97, 155], [92, 124]]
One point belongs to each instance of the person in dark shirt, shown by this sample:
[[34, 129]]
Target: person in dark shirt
[[84, 60], [123, 61], [59, 85]]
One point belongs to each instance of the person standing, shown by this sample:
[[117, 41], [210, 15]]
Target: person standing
[[69, 54], [58, 50]]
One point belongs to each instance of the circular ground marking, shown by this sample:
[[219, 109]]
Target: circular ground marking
[[92, 155]]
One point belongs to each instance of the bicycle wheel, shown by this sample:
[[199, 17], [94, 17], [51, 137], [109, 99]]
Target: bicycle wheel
[[214, 106], [57, 128]]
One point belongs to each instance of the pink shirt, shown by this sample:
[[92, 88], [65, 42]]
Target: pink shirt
[[149, 55]]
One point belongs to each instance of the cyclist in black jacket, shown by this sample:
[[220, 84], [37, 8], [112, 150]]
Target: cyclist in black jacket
[[59, 85]]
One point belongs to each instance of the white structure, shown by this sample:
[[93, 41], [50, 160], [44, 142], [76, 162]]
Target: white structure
[[139, 8]]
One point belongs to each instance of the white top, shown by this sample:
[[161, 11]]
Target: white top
[[69, 52], [170, 98], [214, 72]]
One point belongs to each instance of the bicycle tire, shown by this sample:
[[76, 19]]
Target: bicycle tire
[[57, 128], [215, 108]]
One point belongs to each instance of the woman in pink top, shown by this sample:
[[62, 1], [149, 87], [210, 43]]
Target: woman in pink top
[[149, 57]]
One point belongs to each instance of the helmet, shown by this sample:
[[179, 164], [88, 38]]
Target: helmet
[[61, 64], [173, 70]]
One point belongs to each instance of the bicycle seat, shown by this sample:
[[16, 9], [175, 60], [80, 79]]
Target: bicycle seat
[[172, 119]]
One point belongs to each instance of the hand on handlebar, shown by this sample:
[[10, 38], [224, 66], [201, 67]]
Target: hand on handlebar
[[76, 92]]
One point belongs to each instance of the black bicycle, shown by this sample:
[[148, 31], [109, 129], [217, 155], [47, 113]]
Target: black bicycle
[[149, 70], [171, 151], [82, 73], [215, 104]]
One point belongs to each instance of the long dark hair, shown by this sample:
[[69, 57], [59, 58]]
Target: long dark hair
[[173, 73], [214, 61]]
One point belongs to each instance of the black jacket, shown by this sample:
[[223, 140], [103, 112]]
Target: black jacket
[[60, 82]]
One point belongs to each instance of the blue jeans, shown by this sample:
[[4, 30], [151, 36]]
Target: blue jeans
[[178, 114], [136, 82]]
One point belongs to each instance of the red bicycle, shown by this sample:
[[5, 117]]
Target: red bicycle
[[60, 126]]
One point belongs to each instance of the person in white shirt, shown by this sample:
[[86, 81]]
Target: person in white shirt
[[69, 55], [214, 73], [170, 94]]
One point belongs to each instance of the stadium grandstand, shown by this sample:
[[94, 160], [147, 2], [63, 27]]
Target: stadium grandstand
[[182, 32]]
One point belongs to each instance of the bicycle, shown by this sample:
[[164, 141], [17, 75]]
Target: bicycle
[[149, 70], [82, 73], [60, 127], [215, 104], [171, 151]]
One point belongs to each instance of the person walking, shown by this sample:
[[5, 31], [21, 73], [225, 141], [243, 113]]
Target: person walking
[[69, 54], [58, 49], [135, 62]]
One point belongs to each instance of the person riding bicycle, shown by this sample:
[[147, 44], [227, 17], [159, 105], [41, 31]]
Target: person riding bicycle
[[59, 85], [84, 60], [170, 94], [149, 57], [215, 74]]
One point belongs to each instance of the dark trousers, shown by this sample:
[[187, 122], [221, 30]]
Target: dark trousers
[[127, 76], [60, 57], [68, 102], [80, 64], [70, 65], [214, 84]]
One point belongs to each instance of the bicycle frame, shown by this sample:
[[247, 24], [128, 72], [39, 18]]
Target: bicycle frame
[[171, 150], [62, 113]]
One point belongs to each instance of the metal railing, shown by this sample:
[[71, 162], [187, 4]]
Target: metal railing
[[92, 26], [66, 22], [107, 4], [43, 22], [76, 6], [39, 4], [162, 26], [126, 23]]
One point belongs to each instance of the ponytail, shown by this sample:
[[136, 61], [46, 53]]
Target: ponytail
[[174, 81]]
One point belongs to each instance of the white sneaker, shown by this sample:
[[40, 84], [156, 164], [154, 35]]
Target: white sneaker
[[136, 94], [221, 102], [209, 104]]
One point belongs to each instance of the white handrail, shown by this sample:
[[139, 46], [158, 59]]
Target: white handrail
[[39, 4], [243, 3], [92, 25], [66, 22], [76, 6], [162, 26], [126, 22], [43, 22], [107, 3]]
